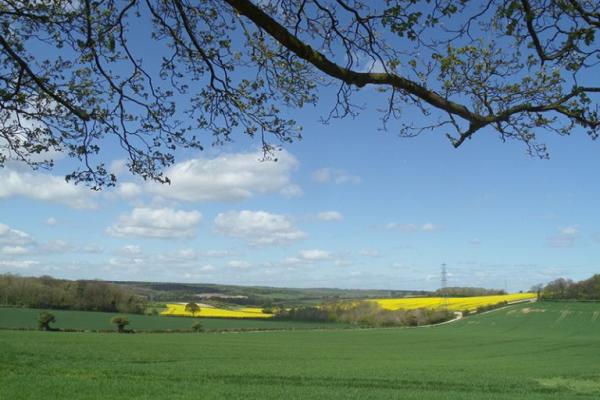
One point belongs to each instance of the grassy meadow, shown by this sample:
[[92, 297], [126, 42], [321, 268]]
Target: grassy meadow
[[528, 351], [26, 318]]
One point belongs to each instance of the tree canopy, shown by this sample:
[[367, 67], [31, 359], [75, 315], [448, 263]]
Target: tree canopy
[[152, 76], [44, 320], [192, 308]]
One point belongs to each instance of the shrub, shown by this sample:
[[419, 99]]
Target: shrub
[[121, 323], [44, 320], [197, 327]]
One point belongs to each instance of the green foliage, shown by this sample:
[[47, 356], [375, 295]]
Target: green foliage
[[467, 292], [44, 320], [152, 312], [70, 85], [566, 289], [47, 292], [121, 322], [197, 327], [365, 313], [192, 308]]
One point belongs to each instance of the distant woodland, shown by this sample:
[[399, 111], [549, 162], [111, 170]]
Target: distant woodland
[[364, 313], [566, 289], [467, 292], [47, 292]]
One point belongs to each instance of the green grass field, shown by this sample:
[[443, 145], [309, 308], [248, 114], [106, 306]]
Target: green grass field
[[85, 320], [520, 352]]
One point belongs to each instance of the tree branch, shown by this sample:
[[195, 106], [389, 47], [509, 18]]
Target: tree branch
[[360, 79], [81, 114]]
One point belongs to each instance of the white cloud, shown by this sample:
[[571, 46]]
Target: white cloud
[[291, 191], [569, 230], [131, 250], [207, 268], [51, 221], [293, 261], [179, 256], [156, 223], [258, 227], [330, 216], [126, 262], [235, 176], [566, 237], [91, 248], [305, 258], [342, 263], [19, 264], [59, 246], [45, 187], [239, 264], [315, 255], [560, 241], [369, 253], [118, 167], [56, 246], [427, 227], [337, 176], [129, 190], [199, 273], [14, 250], [216, 253], [9, 236]]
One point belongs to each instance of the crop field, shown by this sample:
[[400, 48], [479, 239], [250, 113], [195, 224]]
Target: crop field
[[453, 303], [528, 351], [87, 320], [205, 311]]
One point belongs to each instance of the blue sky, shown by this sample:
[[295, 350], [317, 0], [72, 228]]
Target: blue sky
[[348, 206]]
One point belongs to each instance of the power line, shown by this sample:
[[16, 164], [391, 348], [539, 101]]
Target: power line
[[444, 285]]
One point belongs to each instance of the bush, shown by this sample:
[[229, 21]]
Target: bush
[[44, 320], [152, 312], [197, 327], [121, 323]]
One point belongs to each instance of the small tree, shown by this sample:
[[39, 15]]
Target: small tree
[[268, 310], [197, 327], [44, 320], [121, 322], [192, 308]]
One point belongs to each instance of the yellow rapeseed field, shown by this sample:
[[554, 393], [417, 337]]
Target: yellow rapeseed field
[[454, 303], [213, 312]]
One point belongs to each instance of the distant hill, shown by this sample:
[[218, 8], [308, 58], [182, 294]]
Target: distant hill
[[255, 295]]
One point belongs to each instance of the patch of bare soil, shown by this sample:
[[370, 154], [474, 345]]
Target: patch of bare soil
[[528, 310]]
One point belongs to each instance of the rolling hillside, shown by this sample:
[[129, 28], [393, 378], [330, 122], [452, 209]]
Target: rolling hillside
[[529, 351]]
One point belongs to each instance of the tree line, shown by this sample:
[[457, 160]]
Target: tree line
[[47, 292], [364, 313], [566, 289], [468, 292]]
